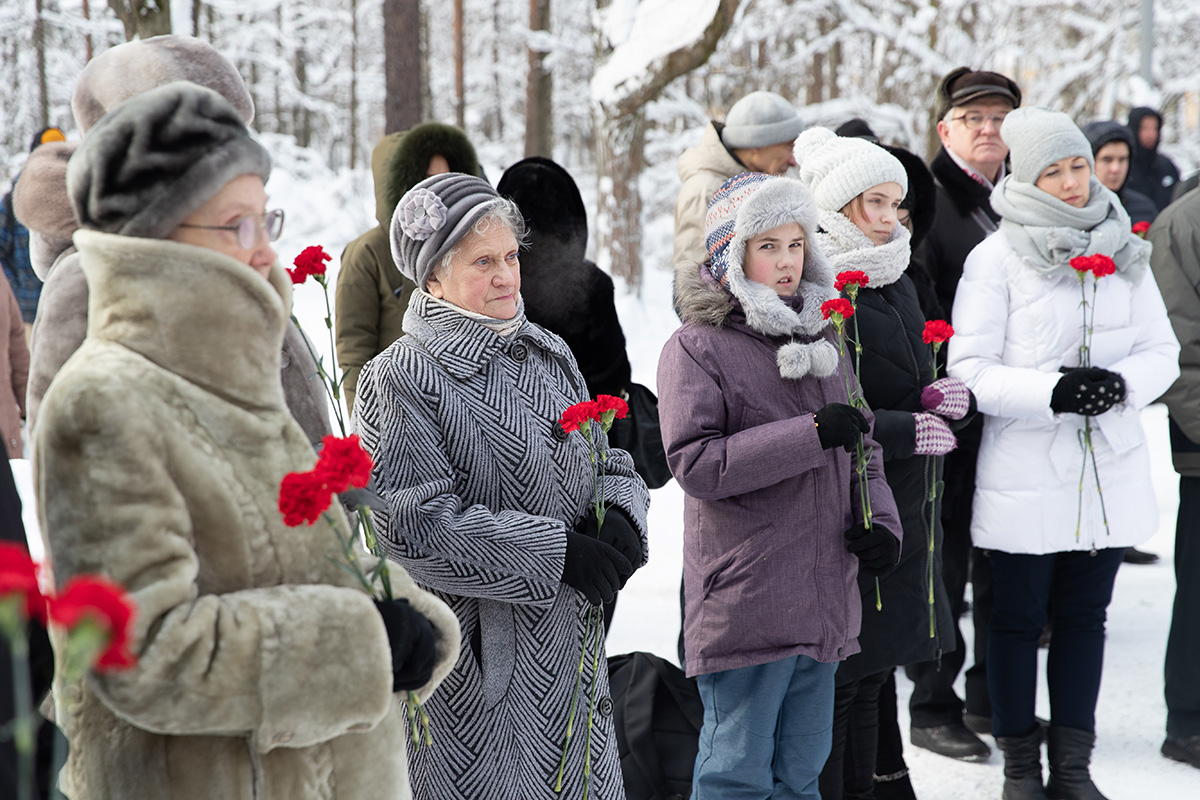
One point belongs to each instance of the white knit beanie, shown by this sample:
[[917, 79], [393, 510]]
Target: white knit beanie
[[1037, 137], [760, 119], [838, 169]]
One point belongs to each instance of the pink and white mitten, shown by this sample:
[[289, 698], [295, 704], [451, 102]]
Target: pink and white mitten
[[947, 397], [934, 437]]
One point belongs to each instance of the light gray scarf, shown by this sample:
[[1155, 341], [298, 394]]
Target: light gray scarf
[[503, 327], [1048, 233]]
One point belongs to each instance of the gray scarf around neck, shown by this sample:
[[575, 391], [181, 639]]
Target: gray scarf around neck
[[1048, 233], [848, 248]]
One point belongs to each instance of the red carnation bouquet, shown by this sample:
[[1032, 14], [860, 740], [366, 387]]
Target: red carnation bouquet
[[97, 616], [1140, 229], [343, 468], [592, 419], [839, 310], [1099, 266]]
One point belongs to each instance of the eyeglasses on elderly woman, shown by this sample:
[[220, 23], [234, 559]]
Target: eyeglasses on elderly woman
[[250, 228]]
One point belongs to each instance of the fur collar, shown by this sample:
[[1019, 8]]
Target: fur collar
[[849, 248], [192, 311], [462, 345]]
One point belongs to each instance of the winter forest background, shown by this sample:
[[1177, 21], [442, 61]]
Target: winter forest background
[[612, 89]]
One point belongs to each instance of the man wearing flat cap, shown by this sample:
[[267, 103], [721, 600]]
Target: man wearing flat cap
[[757, 136], [971, 160]]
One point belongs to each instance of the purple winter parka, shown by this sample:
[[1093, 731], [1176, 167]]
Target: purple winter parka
[[766, 573]]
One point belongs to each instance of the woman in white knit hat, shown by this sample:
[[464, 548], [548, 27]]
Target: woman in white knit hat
[[1055, 540], [859, 187]]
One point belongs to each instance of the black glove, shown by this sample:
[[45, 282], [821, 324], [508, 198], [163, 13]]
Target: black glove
[[413, 643], [1087, 390], [877, 549], [840, 424], [596, 569], [618, 531]]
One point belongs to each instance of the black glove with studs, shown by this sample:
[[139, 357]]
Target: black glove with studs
[[1087, 390]]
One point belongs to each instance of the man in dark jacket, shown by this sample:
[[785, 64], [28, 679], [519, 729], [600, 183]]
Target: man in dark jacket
[[971, 106], [1176, 265], [1112, 146], [1150, 172]]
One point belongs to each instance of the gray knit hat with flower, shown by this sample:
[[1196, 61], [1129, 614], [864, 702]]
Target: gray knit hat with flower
[[433, 216], [760, 119], [157, 157], [1037, 137], [838, 168]]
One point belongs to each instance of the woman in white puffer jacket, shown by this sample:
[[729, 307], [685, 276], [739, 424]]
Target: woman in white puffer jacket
[[1056, 547]]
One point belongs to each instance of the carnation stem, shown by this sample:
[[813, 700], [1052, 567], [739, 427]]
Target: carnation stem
[[22, 725], [562, 762], [596, 616]]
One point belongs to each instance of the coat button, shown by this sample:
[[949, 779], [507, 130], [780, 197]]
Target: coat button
[[558, 432], [840, 651], [605, 706], [519, 353], [281, 738]]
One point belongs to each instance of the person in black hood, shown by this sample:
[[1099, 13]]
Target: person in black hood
[[1150, 172], [1112, 146], [563, 291]]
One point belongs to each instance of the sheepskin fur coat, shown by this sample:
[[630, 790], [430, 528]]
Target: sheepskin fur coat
[[263, 671]]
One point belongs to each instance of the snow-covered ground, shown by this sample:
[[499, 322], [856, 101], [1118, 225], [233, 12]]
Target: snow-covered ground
[[330, 210]]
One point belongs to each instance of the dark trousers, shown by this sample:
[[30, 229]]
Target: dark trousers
[[934, 701], [850, 769], [889, 758], [1182, 665], [1073, 591]]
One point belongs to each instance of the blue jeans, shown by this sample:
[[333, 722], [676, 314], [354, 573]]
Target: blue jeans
[[767, 731]]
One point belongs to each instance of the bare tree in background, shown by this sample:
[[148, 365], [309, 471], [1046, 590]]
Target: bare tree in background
[[143, 18], [539, 88], [402, 64], [620, 120], [460, 90]]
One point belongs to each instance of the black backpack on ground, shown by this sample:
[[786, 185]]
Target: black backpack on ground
[[657, 714]]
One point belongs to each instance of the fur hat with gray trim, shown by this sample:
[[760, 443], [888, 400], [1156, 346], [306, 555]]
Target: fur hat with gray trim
[[157, 157], [1037, 137], [745, 206], [760, 119], [129, 69], [433, 216], [838, 169]]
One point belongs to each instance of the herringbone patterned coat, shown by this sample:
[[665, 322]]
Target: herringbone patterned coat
[[479, 494]]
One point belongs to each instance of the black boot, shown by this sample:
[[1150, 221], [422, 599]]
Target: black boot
[[1022, 766], [1070, 750]]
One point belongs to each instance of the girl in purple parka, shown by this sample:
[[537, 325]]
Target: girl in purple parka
[[757, 430]]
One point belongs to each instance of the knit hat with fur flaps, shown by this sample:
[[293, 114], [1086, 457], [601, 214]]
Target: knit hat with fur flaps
[[838, 169], [129, 69], [753, 203], [433, 217], [157, 157], [760, 119], [1037, 137]]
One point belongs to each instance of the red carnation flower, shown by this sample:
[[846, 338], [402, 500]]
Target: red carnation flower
[[852, 277], [1081, 264], [1102, 265], [343, 463], [104, 604], [937, 330], [303, 497], [578, 414], [18, 577], [606, 402], [1140, 228], [839, 306], [311, 261]]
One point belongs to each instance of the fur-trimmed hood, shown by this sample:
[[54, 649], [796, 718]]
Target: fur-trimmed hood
[[409, 165]]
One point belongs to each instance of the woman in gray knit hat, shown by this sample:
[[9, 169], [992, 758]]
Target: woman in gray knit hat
[[488, 505], [262, 668], [1055, 513]]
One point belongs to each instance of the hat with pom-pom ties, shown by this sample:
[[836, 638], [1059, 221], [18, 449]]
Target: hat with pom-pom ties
[[744, 207]]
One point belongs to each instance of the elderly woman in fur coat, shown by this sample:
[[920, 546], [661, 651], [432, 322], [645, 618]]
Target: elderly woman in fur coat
[[488, 504], [263, 670], [40, 202]]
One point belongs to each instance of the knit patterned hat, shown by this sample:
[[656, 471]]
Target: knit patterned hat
[[753, 203], [838, 169], [157, 157], [1037, 137], [433, 216], [760, 119]]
